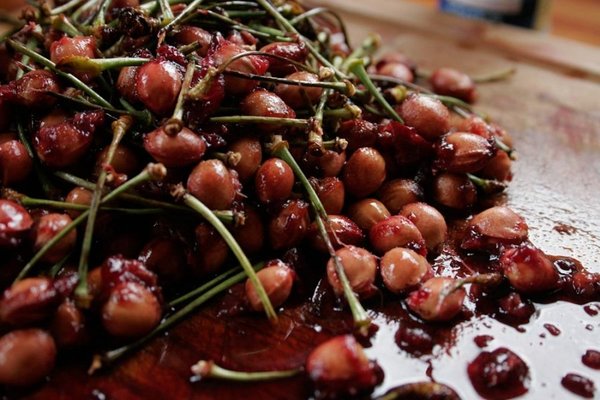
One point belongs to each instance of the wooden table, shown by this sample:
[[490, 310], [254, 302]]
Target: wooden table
[[552, 109]]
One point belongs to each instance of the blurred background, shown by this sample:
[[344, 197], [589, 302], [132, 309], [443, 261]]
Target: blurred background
[[573, 19]]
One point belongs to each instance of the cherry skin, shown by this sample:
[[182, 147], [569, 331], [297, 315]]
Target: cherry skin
[[26, 357], [277, 279]]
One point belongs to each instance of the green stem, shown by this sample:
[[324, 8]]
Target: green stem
[[250, 119], [488, 186], [165, 8], [290, 28], [366, 49], [343, 87], [120, 127], [189, 9], [505, 148], [66, 7], [49, 64], [63, 205], [185, 87], [63, 24], [100, 17], [215, 281], [101, 361], [494, 76], [208, 369], [152, 171], [357, 68], [359, 315], [95, 66], [40, 172], [205, 212], [31, 44]]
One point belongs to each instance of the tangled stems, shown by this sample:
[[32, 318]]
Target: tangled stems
[[120, 127], [49, 64], [101, 361], [208, 369], [361, 319], [357, 67], [250, 119], [151, 172], [205, 212]]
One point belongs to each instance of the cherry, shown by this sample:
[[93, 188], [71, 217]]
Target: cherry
[[454, 191], [330, 163], [262, 103], [403, 269], [500, 374], [277, 278], [78, 46], [158, 83], [341, 231], [179, 150], [130, 311], [295, 51], [463, 152], [358, 133], [68, 325], [475, 124], [78, 195], [339, 367], [364, 172], [189, 34], [297, 96], [497, 168], [495, 226], [360, 267], [46, 229], [213, 184], [367, 212], [331, 193], [426, 114], [396, 231], [125, 160], [395, 57], [450, 82], [256, 65], [528, 269], [289, 226], [126, 83], [15, 221], [211, 250], [165, 257], [250, 152], [591, 359], [32, 90], [65, 143], [15, 163], [396, 70], [397, 193], [28, 301], [274, 181], [117, 269], [26, 357], [251, 234], [434, 301], [429, 221]]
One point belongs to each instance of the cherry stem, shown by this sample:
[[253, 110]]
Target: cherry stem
[[63, 205], [151, 172], [322, 10], [31, 44], [165, 8], [290, 28], [366, 49], [66, 7], [40, 172], [343, 87], [213, 282], [251, 119], [208, 369], [63, 24], [100, 19], [505, 148], [357, 67], [275, 34], [187, 10], [205, 212], [50, 65], [185, 87], [101, 361], [119, 128], [489, 186], [361, 318], [95, 66]]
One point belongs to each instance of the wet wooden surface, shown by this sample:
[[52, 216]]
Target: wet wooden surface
[[555, 120]]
